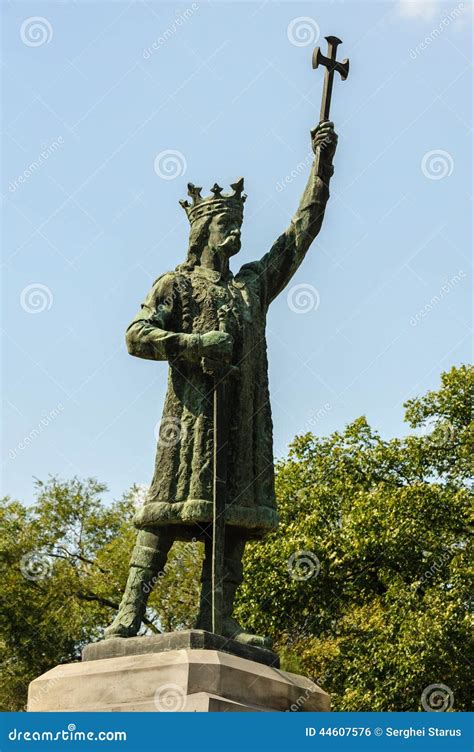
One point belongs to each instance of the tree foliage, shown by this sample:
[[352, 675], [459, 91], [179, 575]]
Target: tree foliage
[[64, 568], [364, 586]]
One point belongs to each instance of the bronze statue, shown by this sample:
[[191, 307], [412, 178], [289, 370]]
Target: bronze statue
[[215, 448]]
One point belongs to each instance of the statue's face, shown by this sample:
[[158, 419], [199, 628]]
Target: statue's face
[[224, 234]]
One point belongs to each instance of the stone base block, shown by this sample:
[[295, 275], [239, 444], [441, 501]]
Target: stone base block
[[185, 680], [192, 639]]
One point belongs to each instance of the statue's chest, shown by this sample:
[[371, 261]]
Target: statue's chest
[[227, 307]]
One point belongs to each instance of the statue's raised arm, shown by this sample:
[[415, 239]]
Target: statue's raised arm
[[275, 270]]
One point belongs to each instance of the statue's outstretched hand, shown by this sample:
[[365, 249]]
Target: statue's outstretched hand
[[324, 138]]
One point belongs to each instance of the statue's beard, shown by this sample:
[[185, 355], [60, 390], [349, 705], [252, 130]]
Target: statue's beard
[[229, 246]]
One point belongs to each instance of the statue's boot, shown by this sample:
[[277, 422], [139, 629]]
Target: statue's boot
[[233, 576], [147, 562]]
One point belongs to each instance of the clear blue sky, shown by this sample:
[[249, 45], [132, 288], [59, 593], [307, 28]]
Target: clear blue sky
[[93, 92]]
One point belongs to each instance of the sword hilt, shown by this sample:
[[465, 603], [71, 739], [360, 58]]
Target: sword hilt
[[222, 315], [217, 369]]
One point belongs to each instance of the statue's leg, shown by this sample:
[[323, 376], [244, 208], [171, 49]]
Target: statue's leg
[[148, 560], [234, 550], [235, 540]]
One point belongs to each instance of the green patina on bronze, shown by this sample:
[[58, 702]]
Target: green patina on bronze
[[199, 317]]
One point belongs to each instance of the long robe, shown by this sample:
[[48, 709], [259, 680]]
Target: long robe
[[183, 304]]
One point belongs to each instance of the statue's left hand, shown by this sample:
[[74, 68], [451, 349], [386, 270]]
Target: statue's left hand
[[324, 138]]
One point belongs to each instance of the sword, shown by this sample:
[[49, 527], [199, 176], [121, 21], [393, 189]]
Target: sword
[[221, 432], [220, 451]]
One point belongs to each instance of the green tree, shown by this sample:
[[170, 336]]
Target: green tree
[[365, 585], [64, 567]]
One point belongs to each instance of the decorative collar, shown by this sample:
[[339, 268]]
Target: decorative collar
[[212, 274]]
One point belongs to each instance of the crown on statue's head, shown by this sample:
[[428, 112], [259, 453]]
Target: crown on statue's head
[[232, 203]]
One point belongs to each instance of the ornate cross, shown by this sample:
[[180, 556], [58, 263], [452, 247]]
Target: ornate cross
[[331, 65]]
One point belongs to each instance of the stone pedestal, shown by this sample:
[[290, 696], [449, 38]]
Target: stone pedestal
[[167, 673]]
